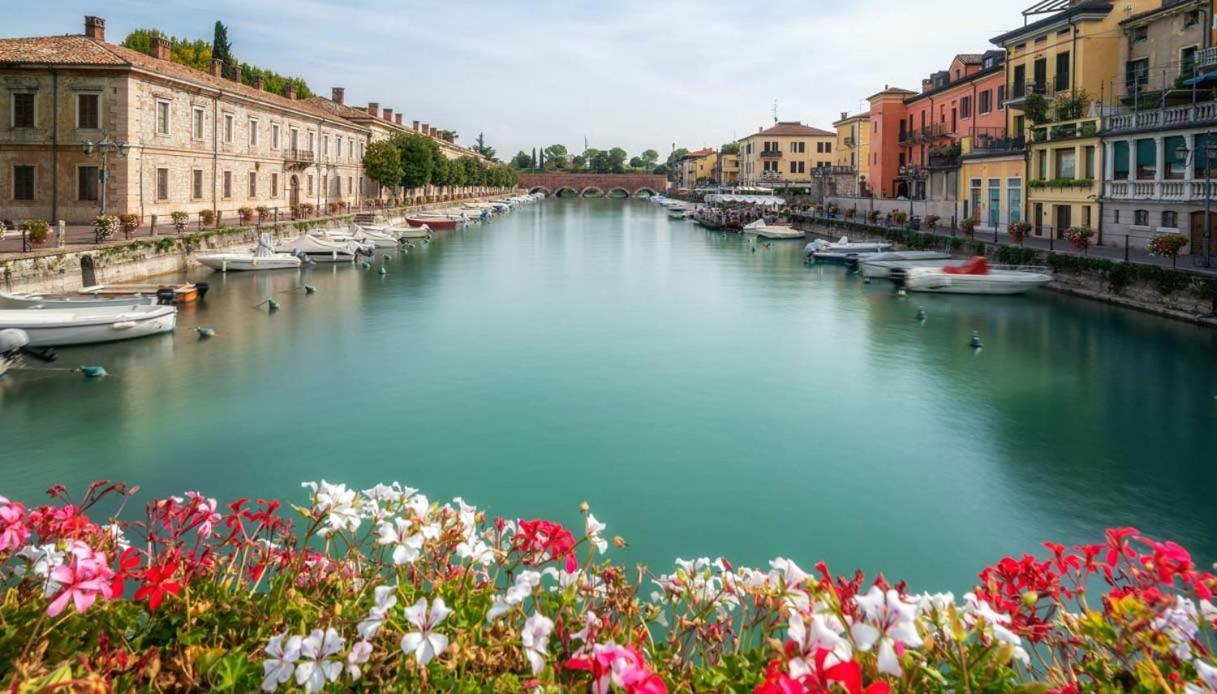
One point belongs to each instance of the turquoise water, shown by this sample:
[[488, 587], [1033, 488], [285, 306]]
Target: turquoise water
[[704, 398]]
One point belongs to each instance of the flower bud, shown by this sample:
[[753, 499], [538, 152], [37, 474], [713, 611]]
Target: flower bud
[[583, 507], [1030, 598], [619, 542]]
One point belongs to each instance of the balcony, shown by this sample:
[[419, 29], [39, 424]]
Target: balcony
[[821, 171], [1020, 92], [1065, 130], [1168, 191], [299, 156], [1206, 58], [936, 132], [771, 154], [995, 141], [943, 161], [850, 142], [1164, 118]]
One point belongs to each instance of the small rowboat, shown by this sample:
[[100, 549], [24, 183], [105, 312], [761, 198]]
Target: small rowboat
[[165, 293]]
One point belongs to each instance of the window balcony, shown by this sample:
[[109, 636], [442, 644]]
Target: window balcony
[[1206, 57], [850, 142], [1065, 130], [1166, 118], [299, 156], [771, 154], [1167, 191], [1018, 96], [995, 141]]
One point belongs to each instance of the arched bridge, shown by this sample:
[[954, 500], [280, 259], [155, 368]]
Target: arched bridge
[[594, 185]]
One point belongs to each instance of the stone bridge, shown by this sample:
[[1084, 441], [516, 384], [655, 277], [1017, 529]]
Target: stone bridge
[[589, 184]]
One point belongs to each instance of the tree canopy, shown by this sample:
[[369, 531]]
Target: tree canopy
[[423, 163], [382, 163]]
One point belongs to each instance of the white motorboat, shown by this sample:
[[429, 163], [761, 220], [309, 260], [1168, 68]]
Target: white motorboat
[[843, 247], [777, 232], [882, 264], [319, 250], [263, 257], [974, 276], [377, 238], [77, 326], [14, 300]]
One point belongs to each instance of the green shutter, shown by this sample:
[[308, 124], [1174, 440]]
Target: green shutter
[[1121, 166], [1147, 154], [1201, 156], [1172, 145]]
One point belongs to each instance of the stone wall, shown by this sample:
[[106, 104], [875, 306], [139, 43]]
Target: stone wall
[[946, 210]]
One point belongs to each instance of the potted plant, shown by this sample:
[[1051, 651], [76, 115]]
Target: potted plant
[[38, 229], [1018, 231], [263, 213], [1168, 246], [130, 222], [899, 218], [872, 216], [306, 209], [849, 213], [931, 221], [1079, 237], [968, 226], [105, 227], [335, 208], [208, 217], [246, 214], [295, 210], [179, 220]]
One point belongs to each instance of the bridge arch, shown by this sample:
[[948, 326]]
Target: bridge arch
[[591, 192], [624, 193], [644, 192], [565, 189], [540, 189]]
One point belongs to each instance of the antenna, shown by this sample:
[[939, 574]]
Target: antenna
[[775, 110]]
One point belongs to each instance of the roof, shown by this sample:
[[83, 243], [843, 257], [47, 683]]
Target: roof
[[971, 58], [1084, 7], [792, 128], [80, 50], [1166, 6], [704, 152], [862, 115], [892, 90], [964, 80]]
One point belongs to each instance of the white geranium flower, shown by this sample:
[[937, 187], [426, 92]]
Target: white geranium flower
[[594, 528], [315, 667], [425, 643], [406, 544], [524, 586], [336, 504], [360, 652], [822, 632], [535, 637], [386, 598], [889, 620], [277, 669], [43, 559]]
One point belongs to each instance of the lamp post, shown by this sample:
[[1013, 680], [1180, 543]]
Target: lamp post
[[1188, 157], [105, 146], [912, 174]]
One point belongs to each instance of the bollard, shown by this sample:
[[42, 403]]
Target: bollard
[[63, 233], [975, 341], [152, 229], [1126, 248], [921, 313]]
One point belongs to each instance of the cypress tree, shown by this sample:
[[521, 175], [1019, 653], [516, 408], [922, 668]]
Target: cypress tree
[[222, 50], [534, 157]]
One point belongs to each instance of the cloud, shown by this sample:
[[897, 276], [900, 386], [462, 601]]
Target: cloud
[[625, 73]]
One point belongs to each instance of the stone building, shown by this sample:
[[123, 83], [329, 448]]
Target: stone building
[[784, 155], [189, 140]]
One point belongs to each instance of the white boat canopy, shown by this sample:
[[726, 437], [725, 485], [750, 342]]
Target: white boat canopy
[[762, 200]]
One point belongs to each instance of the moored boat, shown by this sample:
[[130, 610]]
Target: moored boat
[[842, 247], [12, 341], [263, 257], [59, 327], [319, 250], [165, 293], [777, 232], [444, 223], [17, 300], [974, 276]]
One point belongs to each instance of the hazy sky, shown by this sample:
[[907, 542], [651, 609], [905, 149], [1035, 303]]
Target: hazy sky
[[620, 72]]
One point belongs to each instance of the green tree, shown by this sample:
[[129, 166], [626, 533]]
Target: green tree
[[556, 156], [617, 158], [417, 159], [676, 156], [534, 158], [474, 172], [602, 163], [730, 148], [522, 161], [441, 169], [382, 163], [578, 162], [482, 149], [650, 158], [221, 49]]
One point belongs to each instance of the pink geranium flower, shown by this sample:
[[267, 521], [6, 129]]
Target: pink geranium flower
[[82, 579], [13, 527]]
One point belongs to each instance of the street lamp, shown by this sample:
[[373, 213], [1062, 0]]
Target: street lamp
[[105, 146], [1188, 155], [912, 174]]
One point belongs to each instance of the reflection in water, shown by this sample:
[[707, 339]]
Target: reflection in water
[[703, 397]]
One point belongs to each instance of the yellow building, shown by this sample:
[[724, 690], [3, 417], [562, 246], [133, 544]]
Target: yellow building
[[694, 168], [1057, 68], [852, 154], [784, 155], [726, 169]]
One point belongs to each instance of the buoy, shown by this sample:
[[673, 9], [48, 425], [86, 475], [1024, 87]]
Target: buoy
[[920, 313], [366, 265], [865, 280], [272, 304], [93, 371], [310, 289], [205, 332], [901, 292], [975, 341], [387, 257], [382, 270]]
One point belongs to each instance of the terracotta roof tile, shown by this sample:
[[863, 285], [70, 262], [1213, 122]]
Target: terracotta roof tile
[[699, 153], [793, 128], [57, 50], [971, 58]]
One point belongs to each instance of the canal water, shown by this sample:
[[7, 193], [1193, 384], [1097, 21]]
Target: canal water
[[703, 397]]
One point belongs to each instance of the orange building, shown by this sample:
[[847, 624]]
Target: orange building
[[887, 121]]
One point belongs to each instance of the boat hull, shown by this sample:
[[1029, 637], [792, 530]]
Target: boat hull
[[19, 300], [75, 328], [440, 223], [241, 262], [997, 285]]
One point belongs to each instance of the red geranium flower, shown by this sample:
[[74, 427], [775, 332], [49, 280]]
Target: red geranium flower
[[157, 583]]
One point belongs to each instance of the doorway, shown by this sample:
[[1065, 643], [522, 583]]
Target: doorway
[[1064, 220], [1198, 233], [1038, 214], [293, 195]]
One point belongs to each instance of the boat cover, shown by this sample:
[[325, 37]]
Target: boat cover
[[972, 266]]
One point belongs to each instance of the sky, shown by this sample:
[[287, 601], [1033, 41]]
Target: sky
[[620, 73]]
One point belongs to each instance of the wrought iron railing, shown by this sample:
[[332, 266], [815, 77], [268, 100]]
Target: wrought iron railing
[[299, 155]]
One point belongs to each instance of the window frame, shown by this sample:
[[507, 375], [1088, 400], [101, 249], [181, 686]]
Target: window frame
[[252, 138], [80, 168], [226, 185], [197, 176], [198, 123], [156, 118], [33, 183], [161, 196], [275, 135], [12, 119], [230, 128], [252, 185], [96, 96]]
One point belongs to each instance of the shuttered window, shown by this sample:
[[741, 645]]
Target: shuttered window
[[1147, 159], [88, 111], [23, 183], [1121, 163], [23, 110]]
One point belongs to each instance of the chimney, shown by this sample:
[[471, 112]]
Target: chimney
[[259, 83], [844, 115], [95, 28], [216, 69], [160, 48], [426, 129], [389, 114], [374, 110], [236, 73], [415, 128], [398, 120], [338, 95], [927, 85], [434, 131], [290, 91]]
